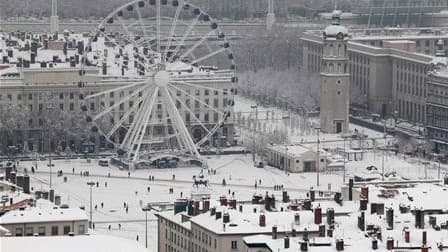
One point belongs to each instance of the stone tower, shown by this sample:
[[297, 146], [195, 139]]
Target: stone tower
[[54, 19], [335, 79]]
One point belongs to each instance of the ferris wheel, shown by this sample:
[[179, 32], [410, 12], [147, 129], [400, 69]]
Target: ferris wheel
[[167, 80]]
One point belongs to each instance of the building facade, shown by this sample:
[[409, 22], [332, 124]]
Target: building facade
[[437, 107], [388, 68]]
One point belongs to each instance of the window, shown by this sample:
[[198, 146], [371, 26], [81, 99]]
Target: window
[[19, 97], [72, 106], [10, 97], [196, 104], [61, 106], [198, 92], [41, 106], [19, 232], [206, 92], [30, 107], [54, 230], [92, 106], [71, 96], [111, 94], [234, 245], [61, 96], [41, 231], [66, 229], [82, 229]]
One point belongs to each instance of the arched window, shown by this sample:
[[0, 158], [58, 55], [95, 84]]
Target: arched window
[[339, 68], [340, 50], [331, 67], [331, 50]]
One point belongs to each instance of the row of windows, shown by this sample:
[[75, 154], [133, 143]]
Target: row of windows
[[437, 117], [41, 230]]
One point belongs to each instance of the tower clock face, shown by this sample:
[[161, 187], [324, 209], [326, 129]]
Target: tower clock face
[[340, 35]]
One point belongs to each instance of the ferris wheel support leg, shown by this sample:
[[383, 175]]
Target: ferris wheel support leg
[[178, 122], [130, 135], [142, 130]]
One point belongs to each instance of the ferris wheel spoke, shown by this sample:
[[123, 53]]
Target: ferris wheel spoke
[[187, 32], [115, 89], [207, 36], [196, 99], [178, 122], [120, 123], [173, 29], [116, 105], [189, 110], [140, 21], [158, 25], [208, 56]]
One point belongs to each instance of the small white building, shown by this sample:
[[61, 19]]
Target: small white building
[[45, 221], [298, 158]]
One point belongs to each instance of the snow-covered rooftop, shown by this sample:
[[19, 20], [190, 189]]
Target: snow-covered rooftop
[[34, 214], [85, 243]]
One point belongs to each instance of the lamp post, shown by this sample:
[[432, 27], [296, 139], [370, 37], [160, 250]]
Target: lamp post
[[318, 158], [255, 120], [91, 184], [146, 209], [49, 107], [286, 144]]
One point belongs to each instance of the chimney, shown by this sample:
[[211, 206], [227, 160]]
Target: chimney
[[365, 193], [305, 234], [240, 208], [274, 232], [374, 244], [196, 208], [361, 221], [330, 216], [104, 68], [350, 189], [425, 248], [322, 230], [294, 232], [286, 242], [285, 197], [419, 219], [312, 195], [205, 205], [297, 219], [262, 220], [303, 246], [190, 208], [407, 235], [218, 215], [424, 240], [223, 200], [226, 218], [232, 203], [390, 243], [363, 204], [340, 244], [306, 204], [212, 211], [390, 217], [318, 215]]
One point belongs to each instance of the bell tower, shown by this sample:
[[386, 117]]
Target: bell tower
[[335, 79]]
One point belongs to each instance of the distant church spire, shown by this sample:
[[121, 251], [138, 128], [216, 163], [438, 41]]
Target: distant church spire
[[54, 19]]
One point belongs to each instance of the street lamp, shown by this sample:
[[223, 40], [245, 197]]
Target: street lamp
[[49, 107], [286, 144], [91, 184], [255, 121], [146, 209], [318, 158]]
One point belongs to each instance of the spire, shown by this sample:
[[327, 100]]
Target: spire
[[54, 7], [336, 17]]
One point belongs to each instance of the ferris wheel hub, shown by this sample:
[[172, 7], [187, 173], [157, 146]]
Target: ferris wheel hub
[[162, 78]]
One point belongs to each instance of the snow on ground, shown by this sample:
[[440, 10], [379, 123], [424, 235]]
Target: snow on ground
[[238, 170]]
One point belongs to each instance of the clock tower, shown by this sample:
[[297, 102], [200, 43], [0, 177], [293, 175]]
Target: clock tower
[[335, 79]]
